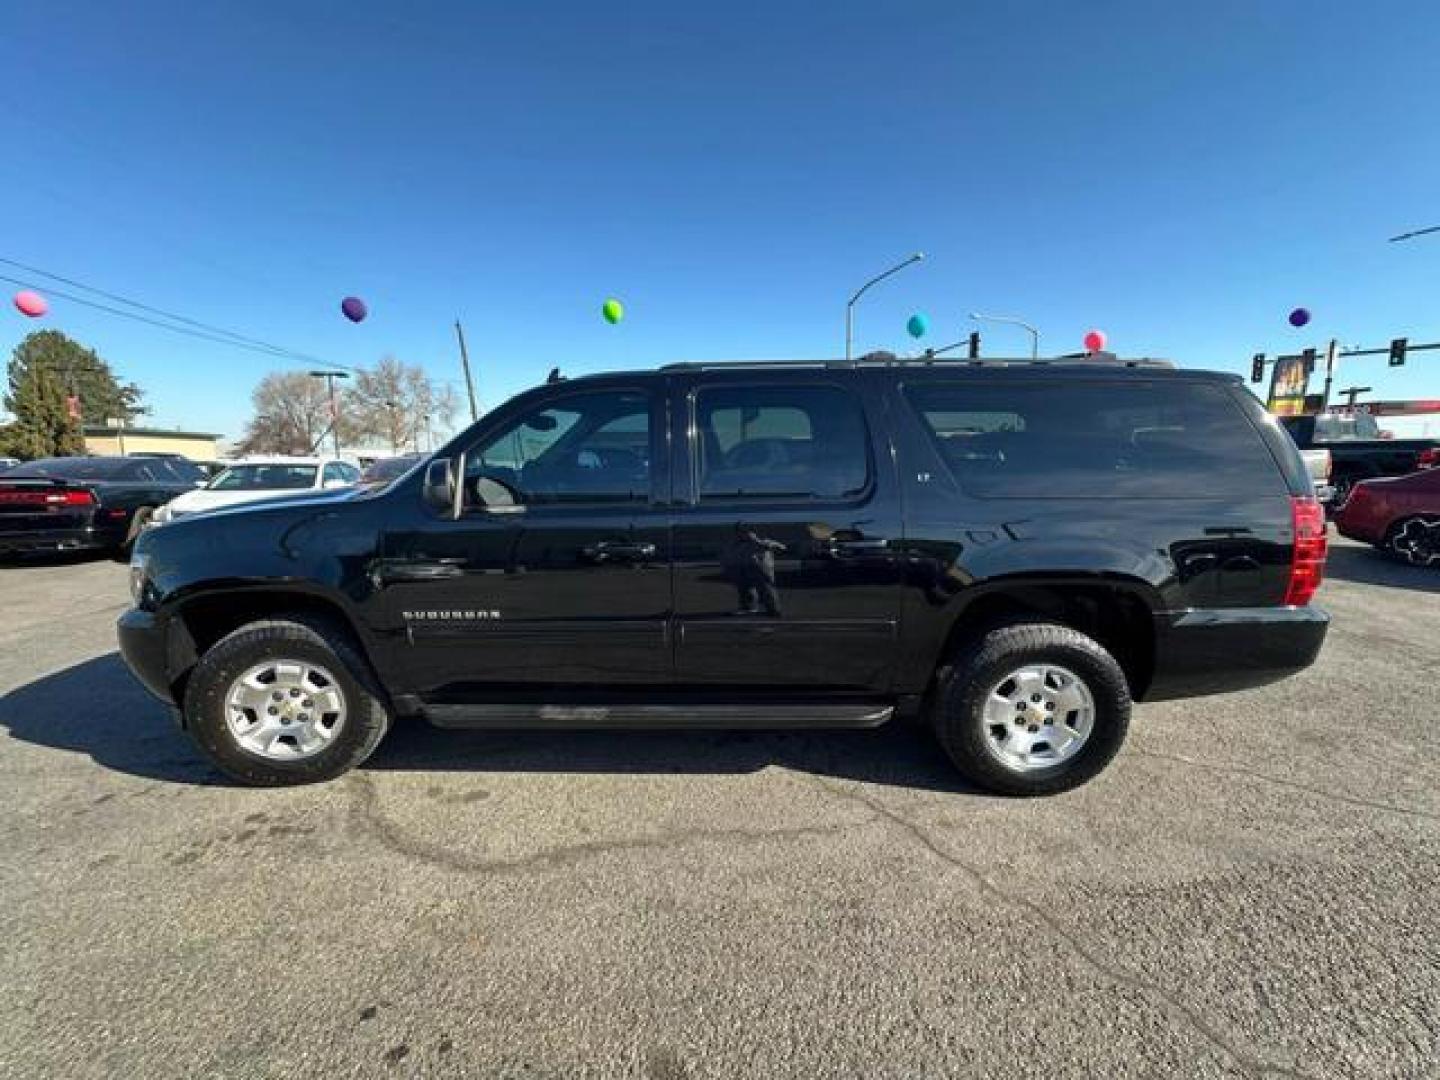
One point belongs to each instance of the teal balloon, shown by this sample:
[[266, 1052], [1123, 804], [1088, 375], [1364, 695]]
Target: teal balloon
[[919, 325]]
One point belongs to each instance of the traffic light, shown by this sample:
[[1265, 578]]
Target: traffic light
[[974, 344], [1309, 356], [1257, 368], [1397, 351]]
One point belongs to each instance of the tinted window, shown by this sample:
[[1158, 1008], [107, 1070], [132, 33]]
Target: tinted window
[[777, 442], [1343, 427], [338, 470], [185, 472], [389, 468], [78, 468], [586, 448], [1096, 440]]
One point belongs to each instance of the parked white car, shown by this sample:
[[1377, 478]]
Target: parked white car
[[257, 478]]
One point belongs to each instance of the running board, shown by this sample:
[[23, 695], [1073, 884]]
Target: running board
[[714, 717]]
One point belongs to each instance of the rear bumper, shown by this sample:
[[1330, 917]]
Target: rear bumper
[[86, 538], [145, 646], [1214, 651]]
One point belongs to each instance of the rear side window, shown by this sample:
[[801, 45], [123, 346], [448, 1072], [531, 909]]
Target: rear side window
[[780, 442], [1132, 440]]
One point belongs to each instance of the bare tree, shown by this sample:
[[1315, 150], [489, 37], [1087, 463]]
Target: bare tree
[[292, 414], [395, 402]]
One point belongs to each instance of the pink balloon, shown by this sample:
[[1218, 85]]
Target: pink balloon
[[1095, 341], [31, 304]]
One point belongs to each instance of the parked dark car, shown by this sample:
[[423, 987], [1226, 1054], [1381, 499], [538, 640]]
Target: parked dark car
[[1013, 551], [1358, 449], [78, 503], [1400, 514], [381, 472]]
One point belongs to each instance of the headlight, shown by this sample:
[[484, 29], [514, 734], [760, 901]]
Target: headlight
[[139, 579]]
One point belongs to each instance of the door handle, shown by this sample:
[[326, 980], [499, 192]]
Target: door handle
[[851, 548], [605, 551], [437, 570]]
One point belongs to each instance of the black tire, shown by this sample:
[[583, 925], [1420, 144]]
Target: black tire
[[1411, 540], [964, 685], [299, 637]]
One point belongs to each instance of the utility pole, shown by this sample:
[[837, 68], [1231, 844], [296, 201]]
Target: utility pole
[[1332, 352], [330, 377], [465, 363]]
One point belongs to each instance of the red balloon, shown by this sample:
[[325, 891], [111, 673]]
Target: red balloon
[[1095, 341], [31, 304]]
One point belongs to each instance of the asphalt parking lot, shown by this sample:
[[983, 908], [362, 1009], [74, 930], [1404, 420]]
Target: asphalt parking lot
[[1252, 888]]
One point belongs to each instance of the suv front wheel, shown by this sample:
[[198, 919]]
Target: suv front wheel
[[285, 701], [1032, 709]]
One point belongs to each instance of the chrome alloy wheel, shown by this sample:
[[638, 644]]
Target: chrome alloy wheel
[[1038, 716], [285, 710], [1417, 541]]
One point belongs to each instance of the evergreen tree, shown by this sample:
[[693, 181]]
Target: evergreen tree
[[43, 425], [82, 374]]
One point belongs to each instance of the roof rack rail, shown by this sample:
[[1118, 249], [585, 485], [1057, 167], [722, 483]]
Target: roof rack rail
[[891, 360]]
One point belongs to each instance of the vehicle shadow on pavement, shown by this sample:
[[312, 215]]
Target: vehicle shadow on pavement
[[19, 561], [1368, 566], [899, 754], [97, 708]]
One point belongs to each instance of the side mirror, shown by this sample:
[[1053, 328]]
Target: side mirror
[[439, 487]]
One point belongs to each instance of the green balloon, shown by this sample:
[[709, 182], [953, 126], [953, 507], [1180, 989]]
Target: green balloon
[[613, 311]]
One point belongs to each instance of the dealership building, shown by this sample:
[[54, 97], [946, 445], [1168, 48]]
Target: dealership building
[[195, 445]]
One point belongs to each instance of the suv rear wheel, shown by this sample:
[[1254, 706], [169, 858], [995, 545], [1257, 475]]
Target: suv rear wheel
[[1032, 709], [285, 701]]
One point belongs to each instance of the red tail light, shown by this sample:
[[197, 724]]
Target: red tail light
[[46, 498], [1429, 457], [1307, 563]]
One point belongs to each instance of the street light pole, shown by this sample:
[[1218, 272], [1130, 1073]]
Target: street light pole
[[850, 307], [330, 377], [1034, 334]]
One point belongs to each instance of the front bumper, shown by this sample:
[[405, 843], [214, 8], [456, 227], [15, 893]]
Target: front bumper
[[145, 645], [1217, 650]]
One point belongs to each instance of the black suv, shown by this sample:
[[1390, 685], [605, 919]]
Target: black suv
[[1012, 551]]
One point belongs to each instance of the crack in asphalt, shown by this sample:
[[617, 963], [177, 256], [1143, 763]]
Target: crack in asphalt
[[1320, 793], [1071, 941], [371, 818]]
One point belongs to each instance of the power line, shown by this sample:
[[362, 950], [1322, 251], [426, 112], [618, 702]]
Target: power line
[[203, 331], [152, 310]]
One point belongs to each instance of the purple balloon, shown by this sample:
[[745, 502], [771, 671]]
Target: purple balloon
[[1300, 316], [354, 308]]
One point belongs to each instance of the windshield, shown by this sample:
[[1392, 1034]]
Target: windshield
[[77, 468], [264, 478]]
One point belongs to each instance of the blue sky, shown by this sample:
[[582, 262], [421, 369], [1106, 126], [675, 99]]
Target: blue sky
[[1180, 175]]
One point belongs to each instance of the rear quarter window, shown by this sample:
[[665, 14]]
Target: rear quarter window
[[1096, 440]]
